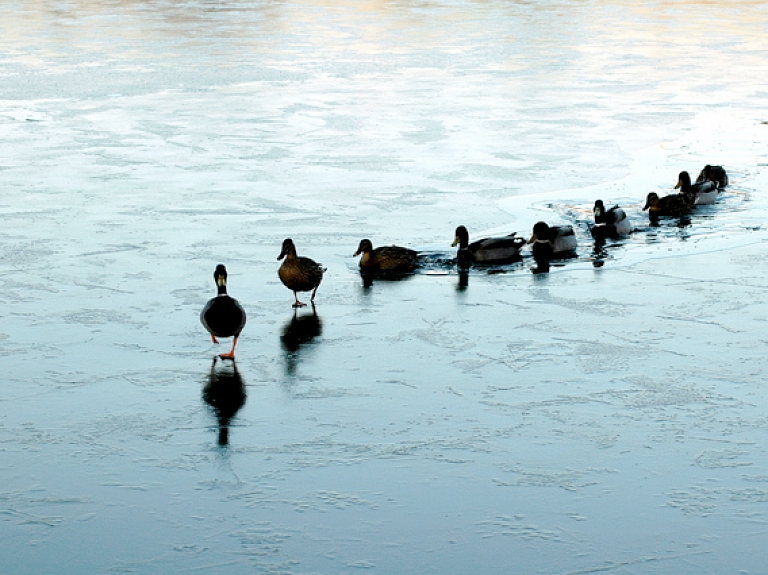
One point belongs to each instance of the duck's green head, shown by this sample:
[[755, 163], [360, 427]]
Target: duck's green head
[[461, 237], [599, 208], [220, 275], [540, 233], [683, 181]]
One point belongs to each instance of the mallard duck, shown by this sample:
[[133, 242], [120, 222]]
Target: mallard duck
[[549, 241], [386, 260], [610, 223], [498, 250], [299, 273], [703, 192], [672, 205], [223, 316], [713, 174]]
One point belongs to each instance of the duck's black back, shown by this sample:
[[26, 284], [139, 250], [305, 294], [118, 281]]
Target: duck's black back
[[223, 316]]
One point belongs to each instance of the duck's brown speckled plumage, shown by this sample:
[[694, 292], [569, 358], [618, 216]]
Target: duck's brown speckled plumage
[[672, 205], [299, 273], [386, 260]]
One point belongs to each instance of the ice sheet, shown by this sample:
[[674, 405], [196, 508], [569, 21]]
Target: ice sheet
[[603, 418]]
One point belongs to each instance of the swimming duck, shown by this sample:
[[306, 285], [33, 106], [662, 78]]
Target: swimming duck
[[299, 273], [223, 316], [498, 250], [386, 260], [549, 241], [672, 205], [610, 223], [713, 174], [703, 192]]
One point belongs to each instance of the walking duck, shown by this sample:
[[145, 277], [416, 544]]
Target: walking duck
[[223, 316], [298, 273]]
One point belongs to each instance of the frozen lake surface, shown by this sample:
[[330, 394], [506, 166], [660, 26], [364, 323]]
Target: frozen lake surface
[[610, 416]]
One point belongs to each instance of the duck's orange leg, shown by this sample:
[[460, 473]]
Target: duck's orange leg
[[231, 353], [298, 303]]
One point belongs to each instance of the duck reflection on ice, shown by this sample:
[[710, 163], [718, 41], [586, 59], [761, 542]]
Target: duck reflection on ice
[[297, 332], [369, 277], [669, 227], [225, 393], [601, 252], [680, 222], [463, 280]]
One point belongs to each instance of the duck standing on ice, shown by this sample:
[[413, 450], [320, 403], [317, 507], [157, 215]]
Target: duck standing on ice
[[223, 316], [299, 273]]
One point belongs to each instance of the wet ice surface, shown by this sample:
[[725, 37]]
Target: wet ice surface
[[593, 419]]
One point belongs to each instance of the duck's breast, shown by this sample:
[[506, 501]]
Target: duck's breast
[[295, 276]]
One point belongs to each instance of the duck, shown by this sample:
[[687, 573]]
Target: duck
[[299, 273], [671, 205], [610, 223], [498, 250], [713, 174], [549, 241], [223, 316], [386, 260], [703, 193]]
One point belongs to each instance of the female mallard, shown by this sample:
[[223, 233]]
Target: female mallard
[[299, 273], [549, 241], [672, 205], [223, 316], [713, 174], [702, 192], [610, 223], [500, 250], [387, 260]]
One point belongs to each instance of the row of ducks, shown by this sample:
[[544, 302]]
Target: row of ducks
[[223, 316], [705, 190]]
